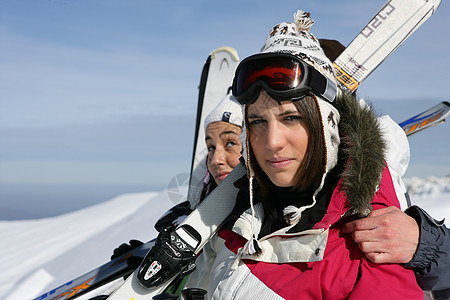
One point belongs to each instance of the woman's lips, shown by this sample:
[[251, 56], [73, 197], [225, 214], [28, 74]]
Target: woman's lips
[[279, 162], [222, 176]]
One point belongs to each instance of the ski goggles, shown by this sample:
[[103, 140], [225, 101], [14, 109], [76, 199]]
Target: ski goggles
[[283, 76]]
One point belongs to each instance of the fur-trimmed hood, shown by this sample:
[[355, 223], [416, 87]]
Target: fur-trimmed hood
[[361, 153]]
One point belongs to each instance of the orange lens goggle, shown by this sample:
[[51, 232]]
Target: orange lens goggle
[[283, 76]]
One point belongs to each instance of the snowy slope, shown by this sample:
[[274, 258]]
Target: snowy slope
[[52, 251]]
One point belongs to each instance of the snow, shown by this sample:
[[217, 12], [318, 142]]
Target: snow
[[39, 255], [432, 194]]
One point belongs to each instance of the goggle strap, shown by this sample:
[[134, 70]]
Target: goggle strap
[[322, 85], [330, 91]]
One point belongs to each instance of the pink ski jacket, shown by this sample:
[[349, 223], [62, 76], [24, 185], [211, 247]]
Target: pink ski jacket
[[317, 261]]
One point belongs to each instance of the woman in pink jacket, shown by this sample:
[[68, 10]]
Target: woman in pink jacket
[[315, 159]]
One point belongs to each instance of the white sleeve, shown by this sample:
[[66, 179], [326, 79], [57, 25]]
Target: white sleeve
[[397, 155]]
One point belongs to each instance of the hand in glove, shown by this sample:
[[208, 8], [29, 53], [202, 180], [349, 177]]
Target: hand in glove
[[174, 216], [134, 261]]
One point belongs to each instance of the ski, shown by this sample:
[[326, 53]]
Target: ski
[[431, 117], [217, 76], [206, 219], [390, 27], [100, 276]]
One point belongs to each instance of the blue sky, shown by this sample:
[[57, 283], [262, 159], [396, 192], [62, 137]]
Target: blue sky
[[96, 92]]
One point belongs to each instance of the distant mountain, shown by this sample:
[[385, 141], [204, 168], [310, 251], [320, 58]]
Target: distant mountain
[[432, 194], [420, 187]]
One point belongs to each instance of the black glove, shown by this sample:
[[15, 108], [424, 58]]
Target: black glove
[[125, 248], [172, 254], [174, 216], [193, 294], [134, 261]]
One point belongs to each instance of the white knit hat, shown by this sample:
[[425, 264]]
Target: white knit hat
[[228, 110], [295, 38]]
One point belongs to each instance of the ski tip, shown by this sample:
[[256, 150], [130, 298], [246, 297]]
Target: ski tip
[[231, 50], [435, 4]]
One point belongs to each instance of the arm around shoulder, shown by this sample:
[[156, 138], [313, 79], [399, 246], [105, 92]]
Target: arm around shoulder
[[431, 261]]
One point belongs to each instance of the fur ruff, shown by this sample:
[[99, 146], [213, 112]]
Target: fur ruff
[[363, 152]]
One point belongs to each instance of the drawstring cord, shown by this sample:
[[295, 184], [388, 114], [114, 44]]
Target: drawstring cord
[[252, 247]]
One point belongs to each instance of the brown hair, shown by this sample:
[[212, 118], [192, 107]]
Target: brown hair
[[310, 173]]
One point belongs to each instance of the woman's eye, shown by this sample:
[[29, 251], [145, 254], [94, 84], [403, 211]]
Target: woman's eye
[[293, 118], [256, 122], [231, 143], [211, 148]]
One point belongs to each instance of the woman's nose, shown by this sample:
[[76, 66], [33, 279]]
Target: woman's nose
[[274, 136], [219, 156]]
